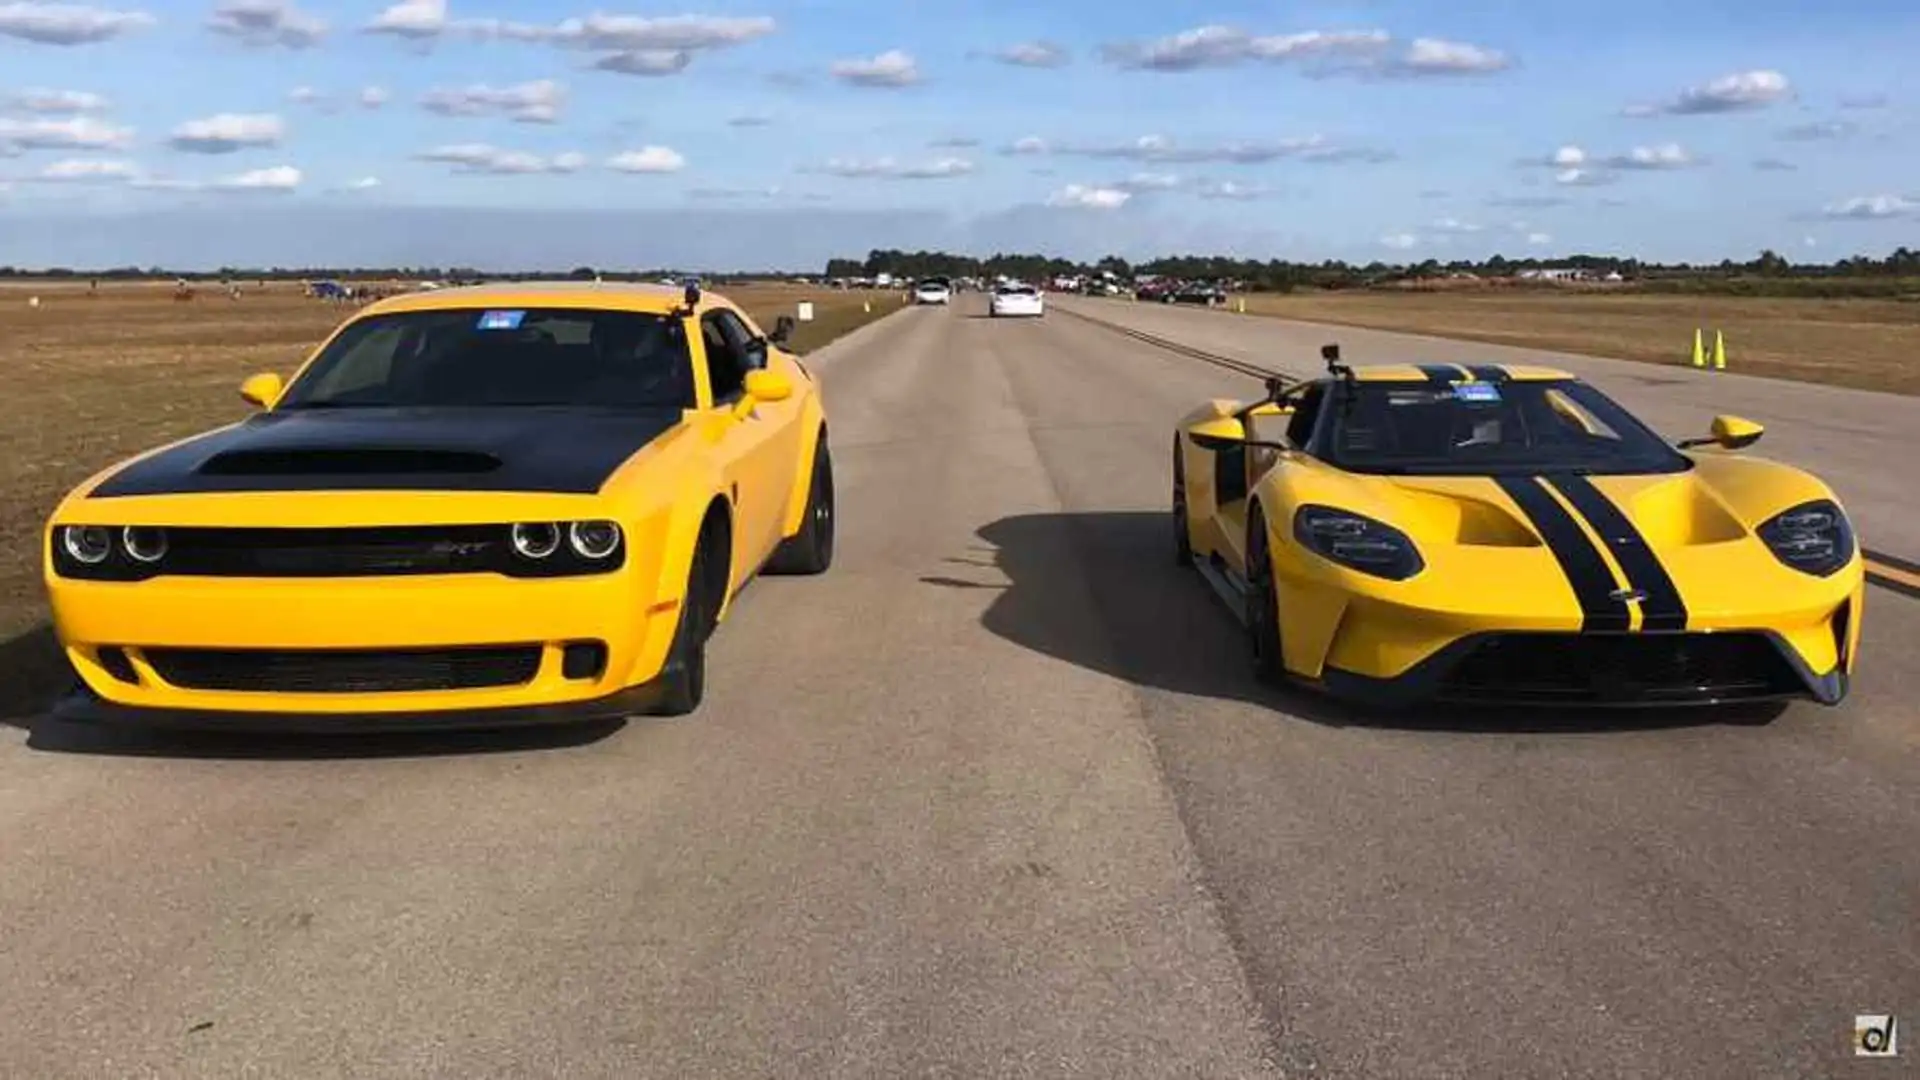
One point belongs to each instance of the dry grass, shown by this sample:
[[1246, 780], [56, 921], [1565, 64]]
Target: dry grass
[[93, 378], [1869, 344]]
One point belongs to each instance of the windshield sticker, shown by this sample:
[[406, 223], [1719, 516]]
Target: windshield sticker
[[501, 320], [1418, 397], [1476, 391]]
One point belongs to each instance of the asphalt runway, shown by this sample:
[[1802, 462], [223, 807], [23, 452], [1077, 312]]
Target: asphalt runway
[[997, 796]]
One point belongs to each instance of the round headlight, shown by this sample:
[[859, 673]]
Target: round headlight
[[144, 543], [89, 544], [536, 540], [594, 539]]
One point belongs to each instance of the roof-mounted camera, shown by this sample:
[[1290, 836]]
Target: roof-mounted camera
[[1330, 352]]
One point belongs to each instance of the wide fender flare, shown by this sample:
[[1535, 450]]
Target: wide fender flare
[[686, 511], [813, 427]]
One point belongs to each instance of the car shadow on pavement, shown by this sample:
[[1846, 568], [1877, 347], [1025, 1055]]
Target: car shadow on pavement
[[1159, 626], [33, 674]]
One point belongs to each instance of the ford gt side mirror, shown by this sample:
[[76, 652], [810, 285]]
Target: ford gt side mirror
[[263, 389], [1730, 433]]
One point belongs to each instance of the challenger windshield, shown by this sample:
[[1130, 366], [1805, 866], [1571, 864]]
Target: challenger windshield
[[1482, 428], [486, 357]]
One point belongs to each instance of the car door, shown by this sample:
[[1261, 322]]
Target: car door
[[756, 450]]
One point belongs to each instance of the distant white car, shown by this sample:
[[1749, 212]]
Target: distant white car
[[932, 292], [1016, 300]]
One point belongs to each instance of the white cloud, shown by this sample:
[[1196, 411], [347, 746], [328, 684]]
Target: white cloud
[[629, 33], [41, 100], [1229, 189], [1160, 149], [88, 169], [414, 19], [1322, 52], [892, 68], [646, 62], [1739, 91], [1399, 241], [1664, 156], [277, 178], [537, 102], [1819, 130], [1453, 225], [1871, 207], [733, 193], [648, 159], [1579, 177], [67, 24], [484, 158], [1033, 54], [305, 95], [1433, 56], [1082, 197], [76, 133], [365, 183], [890, 169], [227, 132], [267, 22], [1147, 181], [373, 97], [1539, 238]]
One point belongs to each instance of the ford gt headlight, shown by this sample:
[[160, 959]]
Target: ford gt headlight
[[1357, 542], [1814, 537]]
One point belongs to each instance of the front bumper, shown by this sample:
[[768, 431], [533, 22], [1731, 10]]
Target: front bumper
[[83, 706], [280, 647], [1600, 670]]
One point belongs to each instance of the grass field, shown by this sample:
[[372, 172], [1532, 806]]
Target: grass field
[[1869, 344], [91, 379]]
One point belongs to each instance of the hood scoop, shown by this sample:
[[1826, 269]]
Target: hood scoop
[[350, 461]]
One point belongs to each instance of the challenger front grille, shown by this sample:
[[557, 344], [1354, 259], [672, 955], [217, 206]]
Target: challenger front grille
[[342, 671], [1595, 668], [362, 552]]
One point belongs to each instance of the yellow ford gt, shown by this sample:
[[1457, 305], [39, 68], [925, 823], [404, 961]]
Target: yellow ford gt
[[1511, 535], [479, 506]]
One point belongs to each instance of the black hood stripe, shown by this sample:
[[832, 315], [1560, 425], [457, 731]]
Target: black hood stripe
[[1442, 374], [1663, 609], [1586, 570], [1488, 373]]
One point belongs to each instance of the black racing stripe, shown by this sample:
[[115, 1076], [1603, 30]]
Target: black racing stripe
[[1662, 609], [1579, 560], [1442, 374], [1487, 373]]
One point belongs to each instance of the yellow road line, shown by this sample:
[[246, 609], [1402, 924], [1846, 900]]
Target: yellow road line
[[1893, 573]]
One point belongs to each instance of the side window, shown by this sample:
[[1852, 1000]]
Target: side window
[[746, 344], [1305, 414], [725, 367], [367, 363]]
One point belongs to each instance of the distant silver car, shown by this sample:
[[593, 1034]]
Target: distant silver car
[[932, 292], [1017, 300]]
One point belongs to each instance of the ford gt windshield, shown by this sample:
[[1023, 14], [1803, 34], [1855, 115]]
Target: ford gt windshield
[[481, 357], [1482, 428]]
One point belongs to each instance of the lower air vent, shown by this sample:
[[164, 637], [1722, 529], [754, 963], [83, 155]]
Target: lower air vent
[[331, 671], [1605, 667]]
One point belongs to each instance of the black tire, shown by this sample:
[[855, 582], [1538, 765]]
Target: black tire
[[810, 551], [1182, 538], [1263, 606], [683, 678]]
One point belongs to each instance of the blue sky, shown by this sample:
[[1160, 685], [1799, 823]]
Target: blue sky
[[737, 133]]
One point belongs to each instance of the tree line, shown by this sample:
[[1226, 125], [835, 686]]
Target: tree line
[[1281, 275]]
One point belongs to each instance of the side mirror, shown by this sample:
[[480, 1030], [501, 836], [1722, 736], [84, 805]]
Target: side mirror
[[782, 330], [1728, 432], [764, 385], [263, 389], [1221, 434]]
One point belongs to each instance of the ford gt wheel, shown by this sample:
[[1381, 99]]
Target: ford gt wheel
[[1182, 538], [1263, 605]]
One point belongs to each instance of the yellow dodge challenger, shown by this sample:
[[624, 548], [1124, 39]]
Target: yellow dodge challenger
[[479, 506], [1510, 535]]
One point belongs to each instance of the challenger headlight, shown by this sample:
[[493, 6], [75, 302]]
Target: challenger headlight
[[1814, 537], [1357, 542], [559, 548], [100, 553]]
